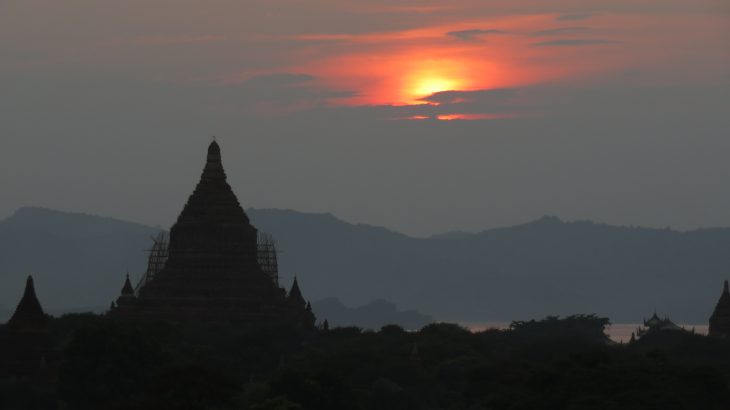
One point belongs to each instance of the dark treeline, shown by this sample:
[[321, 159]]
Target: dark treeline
[[569, 363]]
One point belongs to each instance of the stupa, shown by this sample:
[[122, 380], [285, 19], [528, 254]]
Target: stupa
[[24, 340], [28, 315], [212, 270]]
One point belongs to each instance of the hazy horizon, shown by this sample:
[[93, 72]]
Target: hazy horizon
[[426, 235]]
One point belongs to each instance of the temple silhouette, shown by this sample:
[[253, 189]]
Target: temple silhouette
[[720, 319], [216, 267], [25, 339]]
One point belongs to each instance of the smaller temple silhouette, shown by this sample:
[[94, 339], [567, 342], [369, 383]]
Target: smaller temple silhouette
[[25, 340], [656, 325], [720, 319]]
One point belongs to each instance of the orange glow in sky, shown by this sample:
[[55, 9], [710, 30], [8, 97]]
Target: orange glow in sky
[[404, 68], [408, 76], [400, 68]]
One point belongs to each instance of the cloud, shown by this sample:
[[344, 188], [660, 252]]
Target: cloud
[[460, 105], [274, 94], [560, 31], [179, 40], [572, 43], [406, 9], [574, 16], [473, 34], [493, 96]]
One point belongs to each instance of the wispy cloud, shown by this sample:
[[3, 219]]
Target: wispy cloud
[[572, 43], [383, 8], [574, 16], [493, 96], [179, 40], [473, 34], [278, 94], [370, 37], [560, 31], [495, 104]]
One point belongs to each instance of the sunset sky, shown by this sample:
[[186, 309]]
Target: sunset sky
[[421, 116]]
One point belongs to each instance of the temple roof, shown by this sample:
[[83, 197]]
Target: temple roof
[[29, 313], [653, 321], [213, 230], [213, 200], [723, 305], [295, 295], [127, 289], [213, 248]]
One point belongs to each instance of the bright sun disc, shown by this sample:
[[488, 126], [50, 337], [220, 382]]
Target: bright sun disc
[[427, 86], [431, 78]]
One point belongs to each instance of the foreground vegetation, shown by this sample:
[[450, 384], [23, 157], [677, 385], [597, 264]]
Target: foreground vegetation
[[549, 364]]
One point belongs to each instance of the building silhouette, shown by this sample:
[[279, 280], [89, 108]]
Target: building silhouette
[[720, 319], [25, 341], [212, 266], [655, 325]]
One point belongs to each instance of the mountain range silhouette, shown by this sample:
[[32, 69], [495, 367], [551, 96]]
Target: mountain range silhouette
[[544, 267]]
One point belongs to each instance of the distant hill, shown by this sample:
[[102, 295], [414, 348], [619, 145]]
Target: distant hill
[[373, 315], [77, 260], [527, 271]]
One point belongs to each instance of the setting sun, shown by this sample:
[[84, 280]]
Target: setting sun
[[432, 77], [407, 76], [426, 86]]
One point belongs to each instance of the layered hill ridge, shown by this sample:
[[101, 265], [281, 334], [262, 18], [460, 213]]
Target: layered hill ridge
[[531, 270]]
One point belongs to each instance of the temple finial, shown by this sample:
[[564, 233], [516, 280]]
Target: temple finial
[[725, 288]]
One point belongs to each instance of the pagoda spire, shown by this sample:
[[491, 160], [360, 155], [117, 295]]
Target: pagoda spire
[[214, 164], [213, 201], [295, 295], [720, 319], [127, 289], [29, 313]]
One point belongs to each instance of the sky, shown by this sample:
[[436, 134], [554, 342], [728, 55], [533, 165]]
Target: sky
[[421, 116]]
